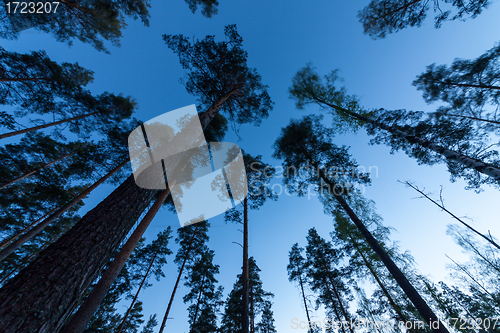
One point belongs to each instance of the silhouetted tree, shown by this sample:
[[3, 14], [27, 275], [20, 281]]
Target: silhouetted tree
[[382, 17], [90, 22]]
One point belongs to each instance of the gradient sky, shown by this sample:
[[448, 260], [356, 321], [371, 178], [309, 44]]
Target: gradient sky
[[281, 37]]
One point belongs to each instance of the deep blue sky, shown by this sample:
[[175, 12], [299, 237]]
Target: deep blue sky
[[281, 37]]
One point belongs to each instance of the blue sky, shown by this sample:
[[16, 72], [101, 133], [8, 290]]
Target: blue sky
[[281, 37]]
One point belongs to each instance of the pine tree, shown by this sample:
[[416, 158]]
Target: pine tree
[[308, 140], [430, 140], [266, 323], [150, 325], [296, 272], [204, 295], [34, 84], [208, 7], [382, 17], [468, 87], [326, 277], [258, 177], [106, 317], [100, 231], [192, 240], [231, 319], [155, 254], [91, 22]]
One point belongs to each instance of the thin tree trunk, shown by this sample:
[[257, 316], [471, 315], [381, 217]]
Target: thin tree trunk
[[491, 241], [197, 305], [31, 129], [34, 171], [419, 303], [11, 239], [137, 293], [39, 227], [472, 163], [305, 303], [474, 118], [44, 294], [465, 85], [421, 306], [84, 314], [165, 317], [336, 311], [326, 266], [396, 308], [251, 310], [244, 301]]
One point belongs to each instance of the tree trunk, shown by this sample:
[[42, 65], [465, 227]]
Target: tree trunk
[[84, 314], [422, 307], [165, 317], [396, 308], [31, 129], [336, 311], [326, 266], [473, 118], [39, 227], [44, 294], [419, 303], [466, 85], [472, 163], [137, 293], [244, 301], [305, 303], [34, 171], [197, 305], [251, 310]]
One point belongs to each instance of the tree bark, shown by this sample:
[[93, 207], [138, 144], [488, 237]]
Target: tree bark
[[34, 171], [39, 227], [31, 129], [84, 314], [137, 293], [165, 317], [244, 301]]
